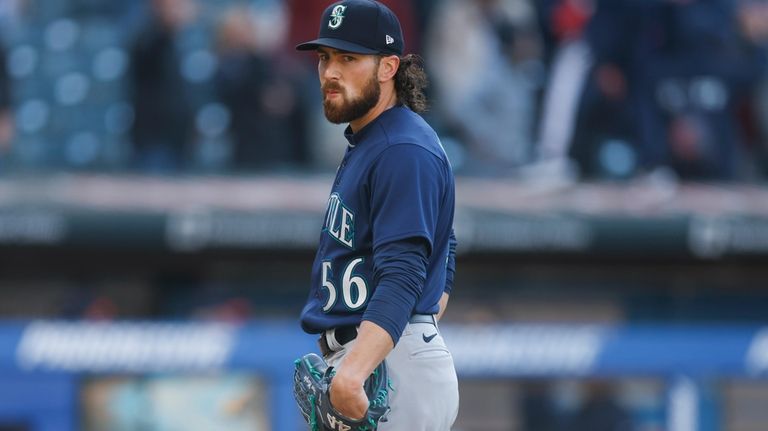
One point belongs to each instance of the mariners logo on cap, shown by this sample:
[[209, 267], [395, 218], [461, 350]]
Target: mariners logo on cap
[[337, 16]]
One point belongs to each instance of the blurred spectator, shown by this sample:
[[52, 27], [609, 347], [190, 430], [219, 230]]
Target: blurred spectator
[[644, 86], [162, 128], [603, 136], [664, 89], [752, 18], [568, 58], [480, 55], [690, 75], [266, 114]]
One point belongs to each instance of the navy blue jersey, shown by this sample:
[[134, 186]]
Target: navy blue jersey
[[395, 183]]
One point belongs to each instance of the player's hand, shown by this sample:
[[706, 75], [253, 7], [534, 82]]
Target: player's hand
[[348, 396]]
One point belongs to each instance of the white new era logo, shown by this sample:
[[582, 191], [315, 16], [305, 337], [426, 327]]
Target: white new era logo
[[390, 41]]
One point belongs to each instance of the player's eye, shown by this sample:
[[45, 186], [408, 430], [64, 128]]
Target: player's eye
[[349, 58]]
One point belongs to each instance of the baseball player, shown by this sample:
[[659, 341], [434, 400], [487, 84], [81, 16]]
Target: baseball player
[[385, 261]]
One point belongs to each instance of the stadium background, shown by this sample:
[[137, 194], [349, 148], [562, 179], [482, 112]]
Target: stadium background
[[164, 165]]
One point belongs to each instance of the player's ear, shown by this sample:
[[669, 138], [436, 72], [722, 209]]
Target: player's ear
[[388, 67]]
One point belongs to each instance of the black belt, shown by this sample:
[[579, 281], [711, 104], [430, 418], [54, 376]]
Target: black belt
[[345, 334]]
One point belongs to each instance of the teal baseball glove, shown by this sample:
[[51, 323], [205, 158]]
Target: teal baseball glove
[[311, 382]]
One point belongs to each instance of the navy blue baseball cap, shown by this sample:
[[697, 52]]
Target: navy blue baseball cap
[[359, 26]]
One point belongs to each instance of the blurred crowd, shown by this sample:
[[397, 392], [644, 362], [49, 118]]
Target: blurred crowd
[[534, 89]]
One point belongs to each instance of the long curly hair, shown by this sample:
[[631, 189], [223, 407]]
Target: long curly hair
[[410, 82]]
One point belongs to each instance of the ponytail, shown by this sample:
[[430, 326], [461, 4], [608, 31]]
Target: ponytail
[[410, 82]]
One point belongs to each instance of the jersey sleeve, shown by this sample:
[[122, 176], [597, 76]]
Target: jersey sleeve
[[406, 188], [399, 274]]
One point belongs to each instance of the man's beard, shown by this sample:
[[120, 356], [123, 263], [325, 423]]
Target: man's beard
[[348, 111]]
